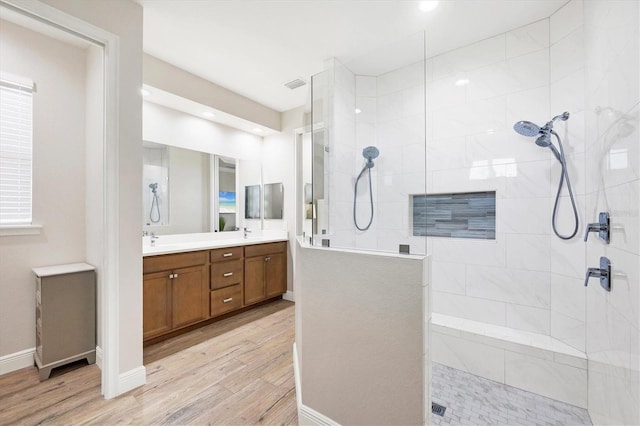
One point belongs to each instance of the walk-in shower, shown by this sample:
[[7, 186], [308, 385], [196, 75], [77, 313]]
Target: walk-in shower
[[544, 133], [154, 211], [369, 153]]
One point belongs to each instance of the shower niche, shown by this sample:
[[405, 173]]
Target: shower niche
[[155, 184]]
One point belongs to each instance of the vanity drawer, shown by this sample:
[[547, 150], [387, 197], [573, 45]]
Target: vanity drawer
[[168, 262], [262, 249], [229, 253], [226, 300], [224, 274]]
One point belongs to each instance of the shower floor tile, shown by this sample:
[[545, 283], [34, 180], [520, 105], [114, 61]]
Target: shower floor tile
[[473, 400]]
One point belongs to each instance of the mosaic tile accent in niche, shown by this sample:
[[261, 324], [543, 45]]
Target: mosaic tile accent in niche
[[463, 215]]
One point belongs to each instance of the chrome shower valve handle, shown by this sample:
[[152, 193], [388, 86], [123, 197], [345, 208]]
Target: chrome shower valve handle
[[603, 228], [603, 272]]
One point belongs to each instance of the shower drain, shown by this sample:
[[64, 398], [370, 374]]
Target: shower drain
[[437, 409]]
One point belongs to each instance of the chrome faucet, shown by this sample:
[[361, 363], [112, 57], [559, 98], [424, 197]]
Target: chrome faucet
[[153, 239], [246, 231]]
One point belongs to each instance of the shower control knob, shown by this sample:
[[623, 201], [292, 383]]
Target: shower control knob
[[602, 228], [603, 272]]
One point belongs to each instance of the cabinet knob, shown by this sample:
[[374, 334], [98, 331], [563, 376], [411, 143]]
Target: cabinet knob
[[227, 254], [228, 274], [227, 300], [266, 259]]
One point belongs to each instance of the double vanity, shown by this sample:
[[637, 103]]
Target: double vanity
[[193, 280]]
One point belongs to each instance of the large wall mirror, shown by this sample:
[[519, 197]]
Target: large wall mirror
[[189, 191]]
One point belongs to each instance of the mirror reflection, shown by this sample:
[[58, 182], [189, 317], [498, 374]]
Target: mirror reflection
[[273, 200], [187, 191], [252, 202]]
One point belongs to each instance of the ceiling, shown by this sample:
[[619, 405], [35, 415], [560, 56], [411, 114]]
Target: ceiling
[[252, 47]]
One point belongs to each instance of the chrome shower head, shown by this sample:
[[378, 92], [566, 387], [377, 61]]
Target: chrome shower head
[[527, 128], [370, 153], [544, 140], [153, 187]]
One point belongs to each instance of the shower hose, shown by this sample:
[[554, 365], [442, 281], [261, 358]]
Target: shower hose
[[563, 175], [154, 204], [367, 167]]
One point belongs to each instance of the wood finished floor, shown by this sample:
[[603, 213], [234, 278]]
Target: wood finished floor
[[235, 372]]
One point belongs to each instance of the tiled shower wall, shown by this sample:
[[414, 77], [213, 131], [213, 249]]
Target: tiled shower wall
[[612, 95], [474, 96], [391, 117]]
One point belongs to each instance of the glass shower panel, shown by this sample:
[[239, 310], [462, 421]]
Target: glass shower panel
[[368, 117]]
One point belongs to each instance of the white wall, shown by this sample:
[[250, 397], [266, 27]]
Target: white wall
[[58, 70], [278, 165], [123, 18], [612, 174]]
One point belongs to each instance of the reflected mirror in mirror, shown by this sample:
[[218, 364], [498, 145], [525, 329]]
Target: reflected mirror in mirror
[[252, 202], [273, 200], [226, 172], [155, 184]]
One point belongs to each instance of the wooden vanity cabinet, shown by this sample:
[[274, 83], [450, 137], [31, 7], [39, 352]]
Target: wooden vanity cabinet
[[265, 271], [227, 280], [175, 291]]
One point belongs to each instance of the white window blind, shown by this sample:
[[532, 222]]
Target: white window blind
[[16, 132]]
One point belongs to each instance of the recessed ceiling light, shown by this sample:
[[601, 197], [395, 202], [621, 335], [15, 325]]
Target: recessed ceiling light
[[257, 130], [358, 110], [428, 5], [462, 82], [145, 92], [208, 114]]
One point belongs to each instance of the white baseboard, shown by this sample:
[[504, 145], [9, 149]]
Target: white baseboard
[[132, 379], [290, 296], [99, 357], [17, 361], [307, 415]]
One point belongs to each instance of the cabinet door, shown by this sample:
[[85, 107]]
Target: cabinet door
[[190, 295], [254, 268], [276, 274], [156, 295]]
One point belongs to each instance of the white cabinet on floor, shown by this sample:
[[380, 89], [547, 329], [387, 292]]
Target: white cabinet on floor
[[65, 315]]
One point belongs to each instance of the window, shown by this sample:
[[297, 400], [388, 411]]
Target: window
[[16, 132]]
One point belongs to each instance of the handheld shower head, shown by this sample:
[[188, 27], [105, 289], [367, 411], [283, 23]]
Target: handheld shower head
[[153, 187], [370, 153], [527, 128]]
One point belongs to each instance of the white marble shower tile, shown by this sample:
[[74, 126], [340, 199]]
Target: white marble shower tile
[[528, 38], [548, 378], [530, 252], [568, 296], [470, 57], [443, 154], [456, 305], [529, 288], [526, 318], [471, 252], [389, 107], [472, 357], [366, 86], [449, 277], [567, 55], [444, 93], [568, 330], [523, 216], [532, 180], [528, 105], [567, 19]]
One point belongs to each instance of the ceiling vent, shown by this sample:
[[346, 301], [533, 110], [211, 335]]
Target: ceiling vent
[[294, 84]]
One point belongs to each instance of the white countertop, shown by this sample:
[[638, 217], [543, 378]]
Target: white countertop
[[167, 244]]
